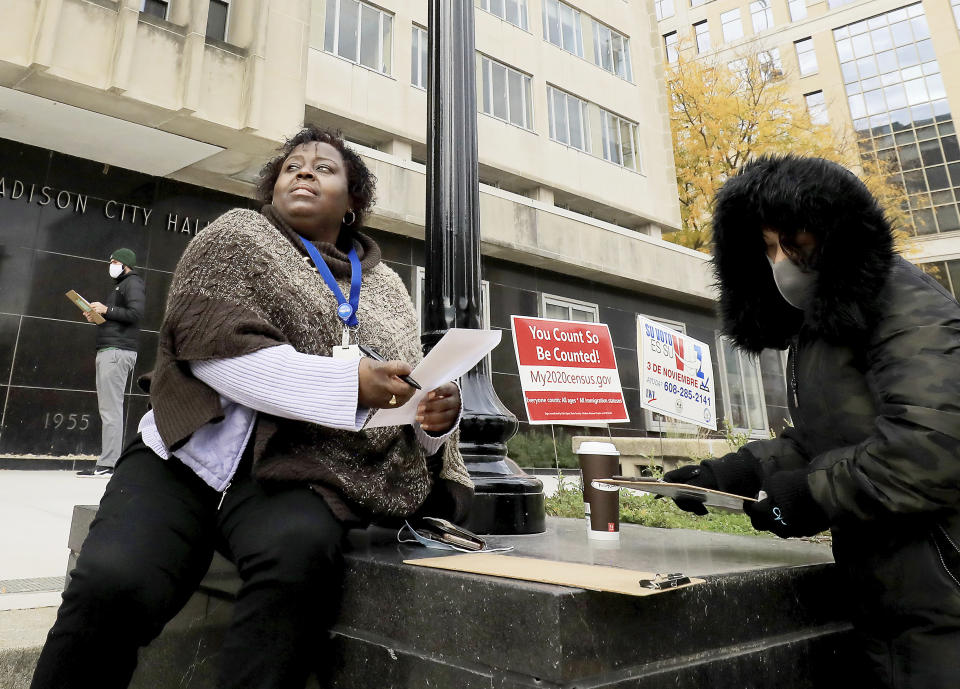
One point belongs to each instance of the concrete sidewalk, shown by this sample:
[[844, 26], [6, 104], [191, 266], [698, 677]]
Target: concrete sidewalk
[[35, 512]]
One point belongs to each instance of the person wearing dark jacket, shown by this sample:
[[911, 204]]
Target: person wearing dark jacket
[[804, 260], [117, 340]]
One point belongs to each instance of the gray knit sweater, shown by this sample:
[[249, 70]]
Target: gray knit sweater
[[242, 285]]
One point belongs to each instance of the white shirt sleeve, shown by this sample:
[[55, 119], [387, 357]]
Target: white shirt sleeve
[[292, 385]]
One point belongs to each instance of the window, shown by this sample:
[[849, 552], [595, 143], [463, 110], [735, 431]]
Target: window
[[620, 141], [770, 64], [702, 33], [513, 11], [158, 8], [418, 57], [732, 26], [838, 3], [743, 402], [568, 119], [505, 93], [360, 33], [217, 19], [565, 309], [798, 10], [611, 50], [419, 304], [762, 14], [817, 107], [806, 57], [561, 26], [697, 3], [666, 9], [670, 47]]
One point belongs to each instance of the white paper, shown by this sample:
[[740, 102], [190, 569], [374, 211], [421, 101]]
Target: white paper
[[457, 352]]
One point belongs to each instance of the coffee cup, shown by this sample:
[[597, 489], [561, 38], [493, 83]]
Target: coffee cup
[[601, 503]]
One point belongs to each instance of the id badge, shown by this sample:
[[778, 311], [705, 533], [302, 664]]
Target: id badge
[[348, 353]]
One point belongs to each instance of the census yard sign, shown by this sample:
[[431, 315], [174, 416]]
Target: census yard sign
[[567, 371], [676, 374]]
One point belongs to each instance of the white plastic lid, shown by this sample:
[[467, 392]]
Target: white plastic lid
[[597, 448]]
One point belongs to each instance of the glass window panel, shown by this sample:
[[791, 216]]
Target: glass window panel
[[942, 197], [556, 312], [217, 20], [386, 47], [798, 10], [871, 84], [937, 177], [953, 267], [954, 169], [867, 67], [935, 87], [568, 34], [947, 218], [901, 33], [882, 39], [914, 181], [702, 32], [369, 37], [753, 395], [853, 88], [920, 28], [930, 152], [157, 8], [946, 127], [858, 107], [916, 91], [931, 67], [604, 47], [845, 50], [414, 57], [349, 16], [951, 150], [582, 315], [628, 140], [731, 365], [914, 72], [928, 132], [908, 56], [487, 86], [909, 156], [330, 27], [925, 50], [563, 133], [887, 61], [849, 70], [575, 118], [515, 83], [670, 47], [874, 101], [731, 24], [923, 221], [551, 10], [906, 137], [862, 46], [896, 96], [938, 271], [499, 75], [512, 12]]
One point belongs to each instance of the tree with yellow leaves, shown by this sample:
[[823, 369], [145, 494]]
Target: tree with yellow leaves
[[723, 115]]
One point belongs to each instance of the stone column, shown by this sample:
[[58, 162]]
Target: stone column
[[507, 501]]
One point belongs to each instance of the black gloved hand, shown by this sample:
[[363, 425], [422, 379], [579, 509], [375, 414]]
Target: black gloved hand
[[787, 507], [695, 475]]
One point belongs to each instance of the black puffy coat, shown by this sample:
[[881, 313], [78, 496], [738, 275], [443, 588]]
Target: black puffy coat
[[874, 395], [125, 307]]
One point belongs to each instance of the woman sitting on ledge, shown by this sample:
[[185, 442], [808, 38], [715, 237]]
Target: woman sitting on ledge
[[253, 445]]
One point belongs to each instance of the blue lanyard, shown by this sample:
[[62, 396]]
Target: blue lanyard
[[346, 312]]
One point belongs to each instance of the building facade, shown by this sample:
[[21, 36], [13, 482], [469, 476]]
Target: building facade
[[886, 71], [135, 123]]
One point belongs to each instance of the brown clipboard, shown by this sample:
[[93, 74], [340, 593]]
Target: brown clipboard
[[84, 306], [574, 574], [708, 496]]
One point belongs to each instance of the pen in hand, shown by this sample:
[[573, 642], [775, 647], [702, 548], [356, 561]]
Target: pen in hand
[[373, 354]]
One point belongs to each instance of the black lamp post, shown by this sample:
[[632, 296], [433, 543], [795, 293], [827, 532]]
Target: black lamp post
[[508, 501]]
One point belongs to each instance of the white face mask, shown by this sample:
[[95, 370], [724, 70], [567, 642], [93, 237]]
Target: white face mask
[[115, 270], [795, 285]]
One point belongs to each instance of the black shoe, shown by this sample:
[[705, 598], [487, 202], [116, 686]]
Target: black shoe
[[96, 472]]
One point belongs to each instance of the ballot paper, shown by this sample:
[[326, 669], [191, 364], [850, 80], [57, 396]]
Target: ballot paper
[[457, 352], [709, 497]]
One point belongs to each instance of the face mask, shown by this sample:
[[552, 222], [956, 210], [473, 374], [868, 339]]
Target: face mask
[[795, 285], [115, 270], [434, 544]]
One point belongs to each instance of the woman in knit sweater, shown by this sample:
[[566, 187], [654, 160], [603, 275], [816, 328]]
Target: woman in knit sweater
[[253, 445]]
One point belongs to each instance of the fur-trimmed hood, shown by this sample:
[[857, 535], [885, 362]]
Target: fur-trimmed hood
[[853, 255]]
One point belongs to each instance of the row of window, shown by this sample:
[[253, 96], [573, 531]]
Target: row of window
[[217, 15], [761, 13]]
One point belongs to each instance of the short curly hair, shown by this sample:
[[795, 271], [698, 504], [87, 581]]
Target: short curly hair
[[361, 183]]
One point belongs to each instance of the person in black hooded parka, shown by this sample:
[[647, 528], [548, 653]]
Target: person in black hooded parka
[[804, 260]]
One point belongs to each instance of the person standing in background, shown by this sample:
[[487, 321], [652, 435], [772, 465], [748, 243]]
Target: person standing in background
[[117, 339]]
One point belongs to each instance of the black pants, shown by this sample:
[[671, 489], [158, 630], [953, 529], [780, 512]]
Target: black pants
[[152, 542]]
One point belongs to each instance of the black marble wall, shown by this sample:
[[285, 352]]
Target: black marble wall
[[61, 217]]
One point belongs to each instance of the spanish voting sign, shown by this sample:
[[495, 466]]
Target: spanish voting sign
[[568, 371], [676, 374]]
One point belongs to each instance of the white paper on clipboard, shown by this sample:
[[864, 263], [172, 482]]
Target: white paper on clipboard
[[457, 352]]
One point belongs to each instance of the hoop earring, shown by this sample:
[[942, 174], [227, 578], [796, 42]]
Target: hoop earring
[[353, 218]]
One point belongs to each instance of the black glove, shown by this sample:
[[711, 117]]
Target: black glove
[[695, 475], [787, 507]]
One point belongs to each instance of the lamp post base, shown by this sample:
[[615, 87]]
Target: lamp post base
[[507, 500]]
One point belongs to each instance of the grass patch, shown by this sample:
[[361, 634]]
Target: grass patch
[[647, 511]]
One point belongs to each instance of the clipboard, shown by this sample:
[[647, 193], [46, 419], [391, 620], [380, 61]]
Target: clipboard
[[84, 305], [708, 496]]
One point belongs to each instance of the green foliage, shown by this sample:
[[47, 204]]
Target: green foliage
[[648, 511], [535, 448], [736, 440]]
